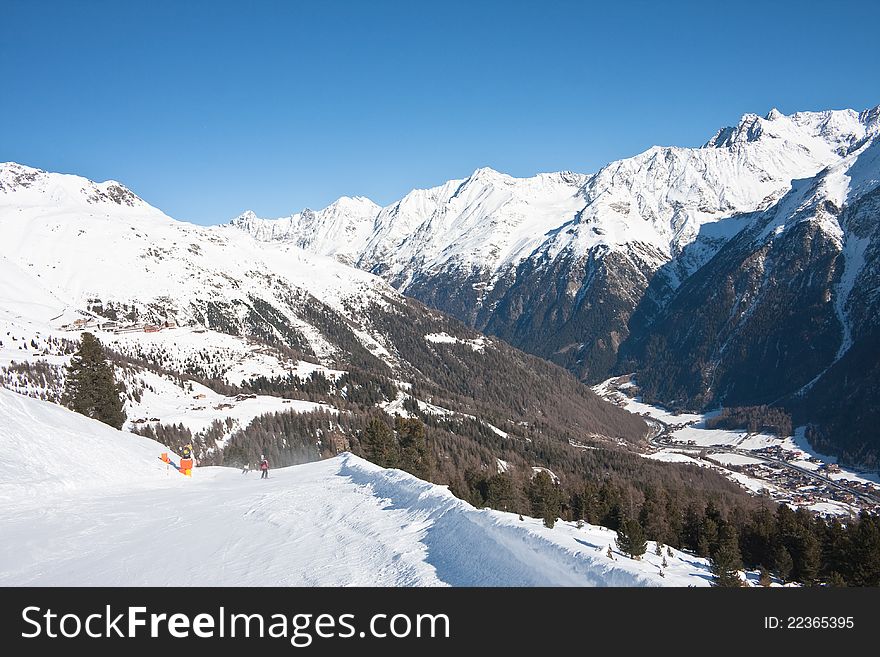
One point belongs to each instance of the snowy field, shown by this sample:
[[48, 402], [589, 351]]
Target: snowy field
[[198, 408], [83, 504], [735, 459], [444, 338]]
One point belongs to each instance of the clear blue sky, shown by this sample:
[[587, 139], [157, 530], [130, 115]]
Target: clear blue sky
[[206, 109]]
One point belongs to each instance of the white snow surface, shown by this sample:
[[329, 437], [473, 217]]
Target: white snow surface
[[82, 504], [444, 338], [337, 230], [199, 408]]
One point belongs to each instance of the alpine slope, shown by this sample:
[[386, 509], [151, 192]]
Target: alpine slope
[[82, 504]]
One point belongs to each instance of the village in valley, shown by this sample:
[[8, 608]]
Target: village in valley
[[784, 469]]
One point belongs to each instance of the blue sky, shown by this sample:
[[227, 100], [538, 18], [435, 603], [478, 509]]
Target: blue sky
[[206, 109]]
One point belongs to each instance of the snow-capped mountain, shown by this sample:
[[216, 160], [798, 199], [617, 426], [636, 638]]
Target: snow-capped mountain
[[460, 246], [340, 229], [786, 311], [100, 245], [487, 221], [572, 267], [661, 197]]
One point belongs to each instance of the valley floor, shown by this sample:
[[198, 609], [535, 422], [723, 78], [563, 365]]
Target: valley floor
[[787, 469]]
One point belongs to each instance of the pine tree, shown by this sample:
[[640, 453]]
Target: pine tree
[[835, 550], [500, 492], [726, 560], [379, 444], [631, 539], [414, 456], [545, 498], [90, 387], [708, 539], [764, 578], [782, 562], [809, 558], [836, 579], [652, 516], [865, 551]]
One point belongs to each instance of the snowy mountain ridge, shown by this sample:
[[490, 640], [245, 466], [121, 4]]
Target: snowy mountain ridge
[[487, 215], [336, 230], [66, 233], [35, 186], [491, 221], [199, 311]]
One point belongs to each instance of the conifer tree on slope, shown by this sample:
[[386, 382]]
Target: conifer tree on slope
[[726, 560], [414, 455], [545, 498], [379, 444], [90, 387], [631, 538]]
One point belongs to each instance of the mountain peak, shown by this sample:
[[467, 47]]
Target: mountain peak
[[244, 218], [748, 129], [359, 203], [15, 176], [487, 174], [838, 129], [22, 179]]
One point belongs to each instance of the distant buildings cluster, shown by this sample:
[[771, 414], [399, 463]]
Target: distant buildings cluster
[[117, 327]]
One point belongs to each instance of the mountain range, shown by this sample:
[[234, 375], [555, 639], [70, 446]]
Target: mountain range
[[743, 272]]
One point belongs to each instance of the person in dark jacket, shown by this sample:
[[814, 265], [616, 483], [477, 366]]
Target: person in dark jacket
[[264, 467]]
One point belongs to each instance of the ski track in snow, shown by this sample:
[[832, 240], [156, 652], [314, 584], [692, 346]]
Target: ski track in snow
[[82, 504]]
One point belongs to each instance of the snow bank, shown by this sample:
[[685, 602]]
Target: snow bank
[[47, 452], [482, 547]]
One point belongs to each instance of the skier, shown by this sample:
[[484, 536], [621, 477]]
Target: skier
[[187, 451], [264, 466]]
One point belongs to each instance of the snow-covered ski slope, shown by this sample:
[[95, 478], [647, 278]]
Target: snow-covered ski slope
[[82, 504]]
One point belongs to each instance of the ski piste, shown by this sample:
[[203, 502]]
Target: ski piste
[[111, 528]]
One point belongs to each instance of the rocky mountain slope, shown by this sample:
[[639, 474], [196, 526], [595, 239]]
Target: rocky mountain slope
[[557, 263], [786, 312]]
